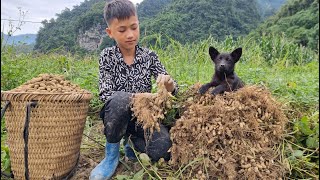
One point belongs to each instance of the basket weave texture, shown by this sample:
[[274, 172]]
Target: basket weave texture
[[56, 126]]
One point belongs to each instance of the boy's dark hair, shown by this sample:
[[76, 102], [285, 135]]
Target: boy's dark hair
[[120, 9]]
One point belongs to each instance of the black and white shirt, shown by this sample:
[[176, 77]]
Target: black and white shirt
[[116, 75]]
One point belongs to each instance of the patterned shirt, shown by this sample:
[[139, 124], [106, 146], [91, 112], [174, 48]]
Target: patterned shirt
[[116, 75]]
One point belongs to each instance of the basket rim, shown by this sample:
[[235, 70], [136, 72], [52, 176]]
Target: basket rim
[[46, 96]]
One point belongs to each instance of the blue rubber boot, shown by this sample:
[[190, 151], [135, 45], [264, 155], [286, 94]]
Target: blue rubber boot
[[106, 168], [129, 153]]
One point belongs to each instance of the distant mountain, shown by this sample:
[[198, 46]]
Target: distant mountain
[[297, 19], [150, 8], [269, 7], [189, 21], [19, 39], [81, 29]]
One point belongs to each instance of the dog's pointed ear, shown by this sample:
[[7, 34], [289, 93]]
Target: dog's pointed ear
[[236, 54], [213, 53]]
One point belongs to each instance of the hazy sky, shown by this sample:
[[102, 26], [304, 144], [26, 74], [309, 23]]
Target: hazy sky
[[35, 11]]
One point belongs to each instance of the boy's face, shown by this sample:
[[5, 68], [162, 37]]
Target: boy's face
[[125, 32]]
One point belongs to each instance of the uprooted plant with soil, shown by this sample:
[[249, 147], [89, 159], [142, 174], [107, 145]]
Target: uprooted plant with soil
[[236, 135], [150, 110]]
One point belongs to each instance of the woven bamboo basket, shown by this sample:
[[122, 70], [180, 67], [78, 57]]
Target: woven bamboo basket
[[44, 132]]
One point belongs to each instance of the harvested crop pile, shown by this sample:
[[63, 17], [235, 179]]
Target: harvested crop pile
[[150, 109], [230, 136], [49, 83]]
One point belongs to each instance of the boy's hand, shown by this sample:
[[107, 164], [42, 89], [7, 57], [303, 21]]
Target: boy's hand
[[167, 81]]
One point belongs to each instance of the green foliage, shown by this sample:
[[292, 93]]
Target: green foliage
[[55, 35], [5, 156], [303, 149], [106, 42], [298, 20], [150, 8], [5, 159], [17, 69], [307, 129], [282, 50], [191, 21], [91, 17]]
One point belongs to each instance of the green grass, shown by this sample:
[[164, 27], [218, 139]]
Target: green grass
[[290, 72]]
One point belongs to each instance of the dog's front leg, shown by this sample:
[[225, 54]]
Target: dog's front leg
[[204, 88], [219, 89]]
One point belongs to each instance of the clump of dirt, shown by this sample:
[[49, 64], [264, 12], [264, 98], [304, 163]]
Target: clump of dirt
[[150, 109], [84, 167], [231, 136]]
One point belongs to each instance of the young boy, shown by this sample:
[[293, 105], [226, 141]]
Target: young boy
[[125, 70]]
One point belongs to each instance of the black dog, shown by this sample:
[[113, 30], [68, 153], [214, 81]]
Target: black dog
[[224, 78]]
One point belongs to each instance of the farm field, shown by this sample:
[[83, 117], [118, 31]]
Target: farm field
[[290, 72]]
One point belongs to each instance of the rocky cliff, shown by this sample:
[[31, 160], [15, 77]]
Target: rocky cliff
[[92, 38]]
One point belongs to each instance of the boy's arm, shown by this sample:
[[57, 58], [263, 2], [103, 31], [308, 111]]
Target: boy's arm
[[106, 84], [157, 68]]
